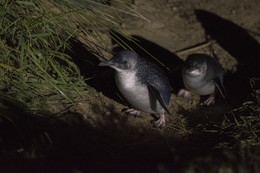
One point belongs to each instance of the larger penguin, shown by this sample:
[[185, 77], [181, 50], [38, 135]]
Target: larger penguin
[[202, 75], [142, 83]]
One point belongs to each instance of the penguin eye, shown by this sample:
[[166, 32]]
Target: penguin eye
[[196, 65], [124, 62]]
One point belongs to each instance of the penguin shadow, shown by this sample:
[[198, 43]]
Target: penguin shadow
[[102, 79], [64, 142], [239, 44], [169, 62]]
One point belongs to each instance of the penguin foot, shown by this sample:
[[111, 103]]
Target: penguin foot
[[209, 101], [184, 93], [131, 111], [160, 122]]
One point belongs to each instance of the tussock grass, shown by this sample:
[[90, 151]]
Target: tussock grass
[[34, 64], [34, 37]]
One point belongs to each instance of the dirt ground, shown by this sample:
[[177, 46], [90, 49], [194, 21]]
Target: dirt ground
[[170, 30]]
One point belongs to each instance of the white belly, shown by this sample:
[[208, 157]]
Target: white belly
[[137, 94], [199, 86]]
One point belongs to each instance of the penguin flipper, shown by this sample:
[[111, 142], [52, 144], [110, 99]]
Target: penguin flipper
[[221, 88], [156, 93]]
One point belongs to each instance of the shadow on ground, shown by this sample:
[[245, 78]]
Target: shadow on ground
[[239, 44], [102, 79], [67, 143]]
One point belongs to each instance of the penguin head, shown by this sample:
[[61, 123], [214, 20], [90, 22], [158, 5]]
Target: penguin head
[[195, 65], [124, 60]]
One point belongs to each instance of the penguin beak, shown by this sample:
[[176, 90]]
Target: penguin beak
[[105, 63]]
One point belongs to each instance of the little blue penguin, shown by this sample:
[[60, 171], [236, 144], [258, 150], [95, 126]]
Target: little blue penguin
[[202, 75], [142, 83]]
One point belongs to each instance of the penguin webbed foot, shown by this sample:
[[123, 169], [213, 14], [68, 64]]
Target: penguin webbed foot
[[185, 94], [160, 122], [131, 111], [209, 101]]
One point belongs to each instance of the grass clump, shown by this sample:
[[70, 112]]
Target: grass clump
[[238, 145], [32, 45], [35, 66], [34, 37], [242, 124]]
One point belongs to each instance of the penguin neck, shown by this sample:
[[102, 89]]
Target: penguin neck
[[195, 81]]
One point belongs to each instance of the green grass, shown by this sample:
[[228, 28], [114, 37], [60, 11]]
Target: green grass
[[35, 67], [34, 36]]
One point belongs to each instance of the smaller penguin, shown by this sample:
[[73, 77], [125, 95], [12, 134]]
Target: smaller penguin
[[202, 75], [142, 83]]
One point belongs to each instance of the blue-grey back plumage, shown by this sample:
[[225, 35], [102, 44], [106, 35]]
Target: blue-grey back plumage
[[153, 75], [142, 83]]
